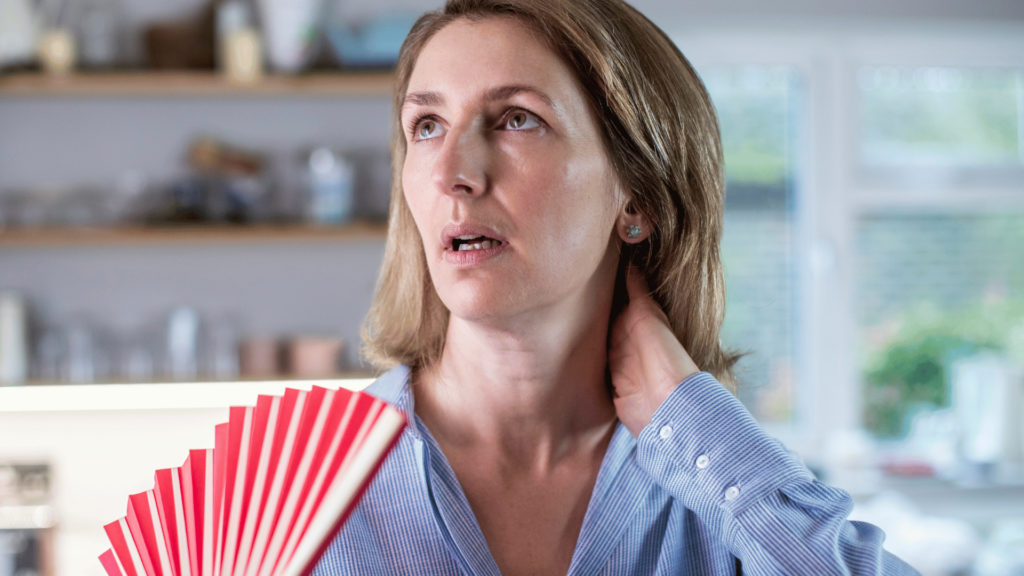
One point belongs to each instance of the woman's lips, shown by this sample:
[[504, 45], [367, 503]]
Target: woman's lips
[[466, 230], [468, 243], [470, 257]]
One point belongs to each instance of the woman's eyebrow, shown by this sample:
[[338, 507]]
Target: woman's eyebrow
[[423, 99], [506, 92], [500, 93]]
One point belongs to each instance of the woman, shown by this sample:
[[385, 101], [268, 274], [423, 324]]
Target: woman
[[553, 159]]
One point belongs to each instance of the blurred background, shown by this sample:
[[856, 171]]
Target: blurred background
[[192, 211]]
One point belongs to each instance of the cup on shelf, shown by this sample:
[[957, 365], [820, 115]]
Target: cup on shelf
[[260, 357], [85, 358], [315, 356], [221, 349]]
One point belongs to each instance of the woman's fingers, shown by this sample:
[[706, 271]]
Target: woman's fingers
[[636, 284], [641, 300]]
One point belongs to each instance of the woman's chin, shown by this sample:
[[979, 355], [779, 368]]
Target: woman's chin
[[483, 304], [478, 310]]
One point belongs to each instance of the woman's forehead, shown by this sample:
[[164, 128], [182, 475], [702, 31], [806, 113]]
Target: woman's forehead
[[485, 58]]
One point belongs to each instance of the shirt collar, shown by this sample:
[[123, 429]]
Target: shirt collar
[[619, 489], [395, 388]]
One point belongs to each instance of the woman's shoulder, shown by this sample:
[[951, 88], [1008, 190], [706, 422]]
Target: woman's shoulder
[[392, 386]]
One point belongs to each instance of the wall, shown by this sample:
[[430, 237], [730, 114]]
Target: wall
[[98, 459], [60, 141], [271, 288]]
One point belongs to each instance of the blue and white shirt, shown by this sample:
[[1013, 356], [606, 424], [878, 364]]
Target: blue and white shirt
[[702, 487]]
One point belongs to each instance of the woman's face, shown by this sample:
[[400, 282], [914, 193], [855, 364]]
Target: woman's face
[[506, 175]]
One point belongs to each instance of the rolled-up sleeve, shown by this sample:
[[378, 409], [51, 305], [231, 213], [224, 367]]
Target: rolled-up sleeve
[[705, 449]]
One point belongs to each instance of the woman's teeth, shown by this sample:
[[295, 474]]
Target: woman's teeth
[[485, 245], [471, 242]]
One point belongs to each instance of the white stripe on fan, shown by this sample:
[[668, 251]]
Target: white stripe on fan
[[218, 538], [270, 511], [237, 495], [133, 550], [295, 490], [158, 532], [184, 568], [208, 514], [357, 442], [321, 477], [245, 546]]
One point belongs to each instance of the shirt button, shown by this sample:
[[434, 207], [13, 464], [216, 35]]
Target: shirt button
[[666, 432], [703, 461], [731, 493]]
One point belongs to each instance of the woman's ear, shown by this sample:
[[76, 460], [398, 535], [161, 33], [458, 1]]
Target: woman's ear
[[633, 228]]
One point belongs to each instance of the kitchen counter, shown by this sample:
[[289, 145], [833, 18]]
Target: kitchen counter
[[104, 442]]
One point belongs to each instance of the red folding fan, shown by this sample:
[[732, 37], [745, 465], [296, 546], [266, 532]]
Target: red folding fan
[[267, 499]]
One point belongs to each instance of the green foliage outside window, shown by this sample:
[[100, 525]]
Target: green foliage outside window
[[910, 368]]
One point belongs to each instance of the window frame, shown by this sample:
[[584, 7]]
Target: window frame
[[833, 188]]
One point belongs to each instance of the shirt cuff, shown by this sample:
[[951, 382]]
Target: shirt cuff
[[705, 449]]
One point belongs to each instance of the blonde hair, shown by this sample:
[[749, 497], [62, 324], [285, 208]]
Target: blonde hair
[[661, 133]]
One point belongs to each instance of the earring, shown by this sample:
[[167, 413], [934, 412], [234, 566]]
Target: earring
[[633, 232]]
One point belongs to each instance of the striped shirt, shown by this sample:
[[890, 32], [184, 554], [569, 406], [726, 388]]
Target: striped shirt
[[701, 487]]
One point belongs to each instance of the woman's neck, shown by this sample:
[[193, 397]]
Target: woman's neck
[[532, 394]]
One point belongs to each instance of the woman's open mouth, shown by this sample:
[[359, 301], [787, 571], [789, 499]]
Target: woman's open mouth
[[470, 242], [471, 249]]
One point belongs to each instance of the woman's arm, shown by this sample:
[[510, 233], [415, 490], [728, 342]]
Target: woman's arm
[[701, 445], [706, 450]]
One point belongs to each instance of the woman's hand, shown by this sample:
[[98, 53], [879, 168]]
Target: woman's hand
[[645, 359]]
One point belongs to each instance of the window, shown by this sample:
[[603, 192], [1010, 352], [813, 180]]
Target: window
[[757, 108], [934, 287], [941, 116], [852, 157]]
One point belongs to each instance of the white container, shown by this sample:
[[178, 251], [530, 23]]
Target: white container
[[18, 30], [331, 184], [989, 403], [13, 339], [289, 28]]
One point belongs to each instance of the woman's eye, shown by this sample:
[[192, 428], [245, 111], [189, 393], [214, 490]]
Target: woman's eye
[[521, 121], [427, 129]]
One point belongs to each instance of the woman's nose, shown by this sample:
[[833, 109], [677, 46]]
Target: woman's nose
[[460, 168]]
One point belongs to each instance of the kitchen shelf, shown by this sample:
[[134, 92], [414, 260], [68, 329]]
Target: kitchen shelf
[[135, 236], [194, 84], [978, 505], [164, 396]]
